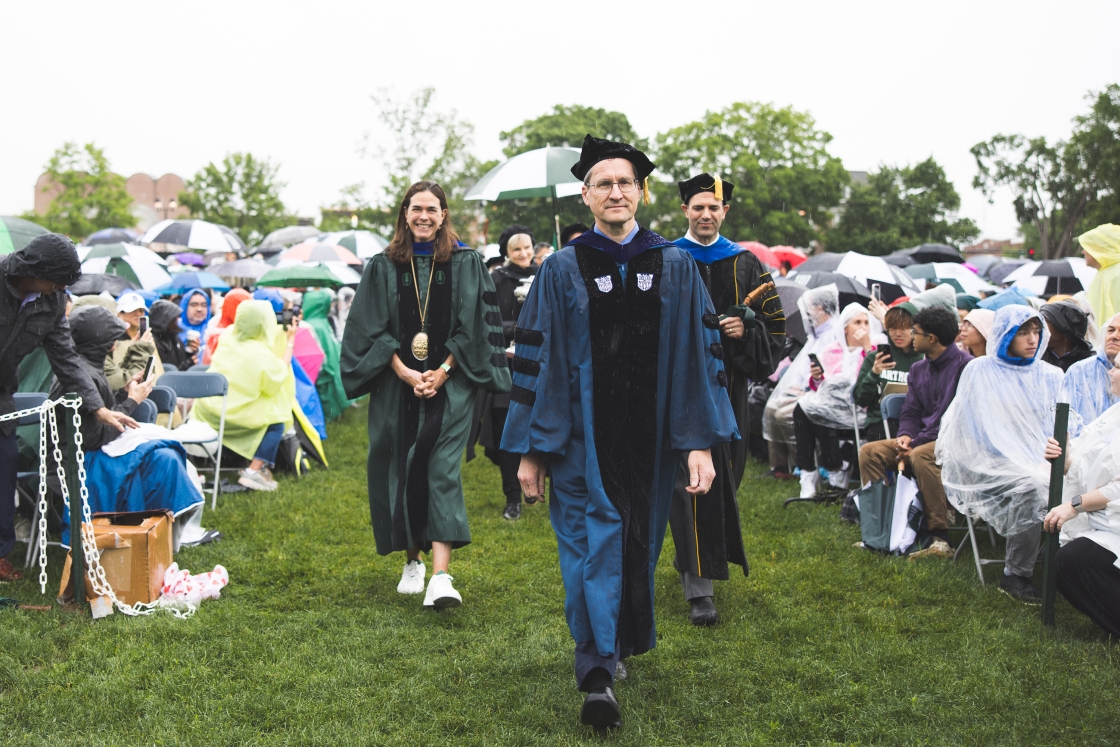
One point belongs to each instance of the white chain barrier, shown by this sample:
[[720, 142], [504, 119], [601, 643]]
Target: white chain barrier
[[92, 557]]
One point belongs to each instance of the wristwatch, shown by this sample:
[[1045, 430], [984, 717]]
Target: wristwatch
[[446, 368], [1076, 503]]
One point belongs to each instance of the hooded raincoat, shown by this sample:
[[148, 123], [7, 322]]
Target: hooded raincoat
[[168, 344], [316, 314], [184, 325], [230, 303], [1087, 387], [1094, 459], [261, 384], [1103, 243], [994, 433], [1067, 318]]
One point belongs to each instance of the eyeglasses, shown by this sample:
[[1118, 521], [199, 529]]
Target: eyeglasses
[[915, 333], [606, 186]]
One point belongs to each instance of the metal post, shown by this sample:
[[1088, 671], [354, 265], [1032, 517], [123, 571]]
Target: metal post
[[77, 559], [1057, 480]]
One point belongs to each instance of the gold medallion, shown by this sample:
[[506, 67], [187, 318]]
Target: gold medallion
[[420, 346]]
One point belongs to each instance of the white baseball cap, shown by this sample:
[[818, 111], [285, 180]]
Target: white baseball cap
[[129, 302]]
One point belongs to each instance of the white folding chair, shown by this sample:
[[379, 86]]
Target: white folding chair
[[199, 385]]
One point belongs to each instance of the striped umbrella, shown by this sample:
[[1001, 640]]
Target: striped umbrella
[[284, 237], [344, 272], [321, 252], [300, 276], [133, 251], [364, 244], [112, 236], [16, 233], [1070, 275], [194, 234], [184, 281], [143, 274]]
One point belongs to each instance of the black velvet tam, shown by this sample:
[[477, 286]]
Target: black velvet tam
[[704, 183], [596, 149]]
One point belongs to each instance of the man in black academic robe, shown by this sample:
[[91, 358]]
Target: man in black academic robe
[[706, 532]]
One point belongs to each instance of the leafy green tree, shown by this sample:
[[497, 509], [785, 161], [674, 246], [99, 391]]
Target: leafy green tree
[[901, 207], [242, 193], [1096, 146], [563, 126], [785, 180], [91, 198]]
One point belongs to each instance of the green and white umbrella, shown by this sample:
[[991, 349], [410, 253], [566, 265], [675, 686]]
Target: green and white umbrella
[[16, 233], [119, 249], [304, 275], [144, 274], [364, 244]]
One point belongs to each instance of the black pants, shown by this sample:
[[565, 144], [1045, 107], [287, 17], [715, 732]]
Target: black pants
[[508, 463], [9, 468], [1090, 582], [808, 434]]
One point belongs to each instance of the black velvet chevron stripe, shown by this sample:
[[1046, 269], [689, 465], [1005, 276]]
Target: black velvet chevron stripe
[[498, 360], [522, 395], [721, 377], [711, 321], [490, 297], [528, 336], [717, 350], [497, 339], [493, 318], [527, 366]]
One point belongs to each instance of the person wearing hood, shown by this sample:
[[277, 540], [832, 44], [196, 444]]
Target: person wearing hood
[[1101, 248], [976, 328], [1088, 561], [255, 355], [993, 436], [966, 303], [511, 285], [195, 307], [1067, 324], [164, 319], [316, 311], [230, 303], [142, 474], [1086, 384], [33, 304]]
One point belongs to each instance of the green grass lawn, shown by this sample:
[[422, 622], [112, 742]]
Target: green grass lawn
[[311, 645]]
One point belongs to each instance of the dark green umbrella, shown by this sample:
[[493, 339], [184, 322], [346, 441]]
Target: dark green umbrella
[[16, 233], [300, 276]]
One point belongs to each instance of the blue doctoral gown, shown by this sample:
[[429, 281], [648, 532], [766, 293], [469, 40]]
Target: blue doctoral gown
[[618, 371], [1088, 389]]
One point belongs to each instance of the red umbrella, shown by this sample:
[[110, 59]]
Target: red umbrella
[[789, 254], [765, 255], [317, 252]]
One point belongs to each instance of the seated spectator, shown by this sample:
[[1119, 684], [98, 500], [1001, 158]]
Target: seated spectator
[[880, 369], [1087, 387], [932, 386], [1089, 519], [255, 355], [316, 308], [826, 412], [342, 310], [130, 356], [819, 308], [975, 331], [142, 474], [230, 303], [165, 331], [993, 436], [542, 251], [570, 232], [1067, 324], [965, 304], [195, 307]]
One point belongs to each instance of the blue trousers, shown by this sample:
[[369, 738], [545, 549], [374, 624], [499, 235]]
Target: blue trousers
[[270, 444]]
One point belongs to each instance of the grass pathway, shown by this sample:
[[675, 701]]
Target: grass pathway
[[310, 644]]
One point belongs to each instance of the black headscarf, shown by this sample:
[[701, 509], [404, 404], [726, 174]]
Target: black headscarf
[[95, 329], [1068, 318], [164, 317], [51, 257]]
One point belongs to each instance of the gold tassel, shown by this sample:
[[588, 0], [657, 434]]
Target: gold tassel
[[645, 191], [719, 188]]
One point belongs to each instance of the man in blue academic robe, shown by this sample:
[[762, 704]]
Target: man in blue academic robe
[[617, 374], [706, 534]]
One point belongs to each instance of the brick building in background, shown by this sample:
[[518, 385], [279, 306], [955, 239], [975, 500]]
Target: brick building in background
[[145, 192]]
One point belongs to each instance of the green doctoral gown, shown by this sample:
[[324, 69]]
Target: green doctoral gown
[[412, 507]]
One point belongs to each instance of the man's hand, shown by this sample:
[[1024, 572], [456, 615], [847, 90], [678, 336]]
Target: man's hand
[[882, 363], [877, 309], [116, 419], [700, 471], [902, 445], [531, 476], [138, 390], [191, 346], [733, 327]]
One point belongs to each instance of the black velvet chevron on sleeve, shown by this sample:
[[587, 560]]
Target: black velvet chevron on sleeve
[[490, 297], [528, 337], [493, 318], [497, 339], [717, 350], [711, 321], [498, 360], [721, 377], [522, 395], [527, 366]]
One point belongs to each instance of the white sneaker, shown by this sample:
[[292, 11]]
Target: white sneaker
[[412, 578], [255, 481], [441, 593], [809, 480]]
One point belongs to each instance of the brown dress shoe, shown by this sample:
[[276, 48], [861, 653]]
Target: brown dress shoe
[[8, 571]]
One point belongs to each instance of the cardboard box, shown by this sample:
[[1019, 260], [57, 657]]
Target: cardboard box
[[135, 553]]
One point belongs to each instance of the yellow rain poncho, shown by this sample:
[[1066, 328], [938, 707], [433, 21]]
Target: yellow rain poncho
[[261, 384], [1103, 243]]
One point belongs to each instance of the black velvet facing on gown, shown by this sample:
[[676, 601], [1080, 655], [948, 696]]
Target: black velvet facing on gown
[[528, 337], [625, 326], [413, 490]]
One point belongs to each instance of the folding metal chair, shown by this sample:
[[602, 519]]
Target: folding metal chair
[[891, 408], [164, 399], [199, 385], [24, 401], [199, 367], [145, 412]]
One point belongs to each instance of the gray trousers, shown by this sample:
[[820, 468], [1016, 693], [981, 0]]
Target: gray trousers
[[1022, 552], [695, 587]]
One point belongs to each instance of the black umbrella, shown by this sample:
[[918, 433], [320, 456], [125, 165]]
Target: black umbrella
[[929, 253], [112, 236], [789, 291], [94, 283], [997, 272], [851, 291], [1061, 276]]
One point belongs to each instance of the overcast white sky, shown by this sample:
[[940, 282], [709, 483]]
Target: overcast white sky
[[169, 86]]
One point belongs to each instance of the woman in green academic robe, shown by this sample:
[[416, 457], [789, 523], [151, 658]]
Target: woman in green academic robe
[[423, 334]]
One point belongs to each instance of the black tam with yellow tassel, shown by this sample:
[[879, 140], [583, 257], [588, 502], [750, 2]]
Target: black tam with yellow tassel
[[597, 149]]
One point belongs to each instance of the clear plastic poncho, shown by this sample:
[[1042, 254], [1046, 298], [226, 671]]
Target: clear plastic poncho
[[820, 308], [831, 404], [1094, 464], [994, 433], [1088, 388]]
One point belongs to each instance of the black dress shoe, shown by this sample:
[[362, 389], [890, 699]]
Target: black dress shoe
[[703, 612], [600, 709]]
